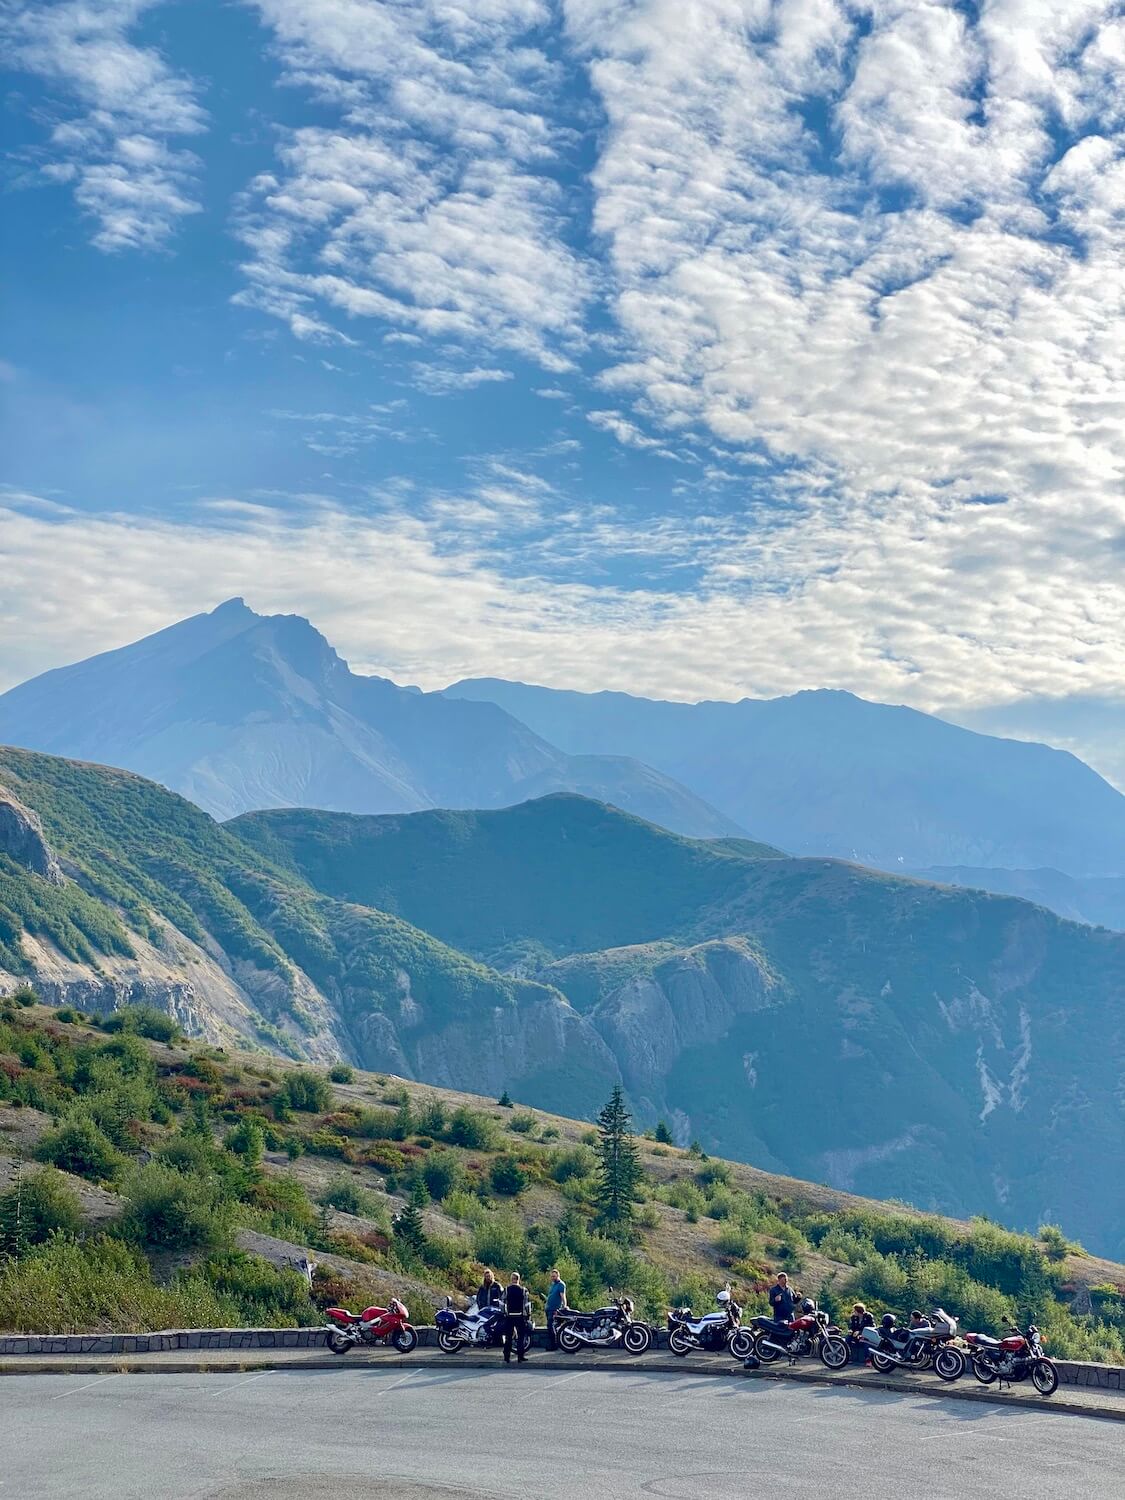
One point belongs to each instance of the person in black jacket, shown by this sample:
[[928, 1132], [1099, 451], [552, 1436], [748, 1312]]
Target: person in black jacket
[[859, 1320], [489, 1293], [516, 1309]]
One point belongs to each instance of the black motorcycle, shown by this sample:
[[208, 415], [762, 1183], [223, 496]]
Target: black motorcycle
[[1019, 1356], [602, 1329]]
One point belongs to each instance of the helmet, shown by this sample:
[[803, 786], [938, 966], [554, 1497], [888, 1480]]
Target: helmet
[[723, 1297], [808, 1305], [888, 1320]]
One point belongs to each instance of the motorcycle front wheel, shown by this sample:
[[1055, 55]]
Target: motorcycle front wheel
[[450, 1343], [637, 1338], [523, 1344], [1044, 1377], [338, 1342], [741, 1345], [984, 1372], [766, 1354], [568, 1341], [949, 1364], [679, 1343], [405, 1339], [834, 1353]]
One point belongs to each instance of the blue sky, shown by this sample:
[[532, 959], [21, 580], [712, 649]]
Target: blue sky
[[672, 347]]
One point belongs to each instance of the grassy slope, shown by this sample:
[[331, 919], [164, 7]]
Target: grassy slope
[[740, 1225]]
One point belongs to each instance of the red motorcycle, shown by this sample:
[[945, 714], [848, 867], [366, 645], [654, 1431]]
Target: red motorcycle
[[1017, 1356], [374, 1325]]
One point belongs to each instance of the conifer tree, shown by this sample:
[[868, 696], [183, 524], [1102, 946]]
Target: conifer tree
[[620, 1170], [408, 1226]]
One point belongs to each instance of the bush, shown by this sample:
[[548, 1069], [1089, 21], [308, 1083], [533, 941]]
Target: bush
[[169, 1211], [24, 995], [523, 1123], [266, 1297], [507, 1176], [470, 1129], [304, 1091], [350, 1197], [43, 1204], [500, 1242], [714, 1174], [77, 1145], [282, 1206], [247, 1140], [572, 1161], [432, 1118], [733, 1242], [145, 1020], [341, 1073], [442, 1174], [1055, 1243]]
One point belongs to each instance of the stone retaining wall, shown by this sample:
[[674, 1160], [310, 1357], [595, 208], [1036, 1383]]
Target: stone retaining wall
[[1071, 1372]]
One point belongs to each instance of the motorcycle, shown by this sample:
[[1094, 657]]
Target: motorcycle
[[918, 1348], [712, 1332], [807, 1333], [481, 1327], [374, 1325], [1015, 1357], [602, 1328]]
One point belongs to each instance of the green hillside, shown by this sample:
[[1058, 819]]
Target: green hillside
[[161, 1183], [958, 1050], [319, 976]]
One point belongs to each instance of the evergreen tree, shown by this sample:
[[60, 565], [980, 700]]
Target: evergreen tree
[[505, 1100], [408, 1225], [620, 1170], [662, 1133]]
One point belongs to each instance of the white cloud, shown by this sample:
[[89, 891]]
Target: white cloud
[[116, 151], [432, 204], [436, 380]]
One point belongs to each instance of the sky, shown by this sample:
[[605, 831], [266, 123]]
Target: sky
[[694, 348]]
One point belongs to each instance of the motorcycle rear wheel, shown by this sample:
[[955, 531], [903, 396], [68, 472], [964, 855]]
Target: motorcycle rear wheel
[[568, 1341], [405, 1340], [679, 1343], [834, 1353], [1044, 1377], [984, 1372], [881, 1362], [339, 1343], [450, 1343], [764, 1352], [637, 1338], [741, 1345], [949, 1364]]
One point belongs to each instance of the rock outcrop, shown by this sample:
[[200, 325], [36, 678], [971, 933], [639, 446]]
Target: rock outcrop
[[22, 839]]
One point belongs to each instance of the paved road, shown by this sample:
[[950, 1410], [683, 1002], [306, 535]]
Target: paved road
[[466, 1434]]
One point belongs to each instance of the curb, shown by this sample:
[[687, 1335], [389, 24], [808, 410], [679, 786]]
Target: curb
[[109, 1365]]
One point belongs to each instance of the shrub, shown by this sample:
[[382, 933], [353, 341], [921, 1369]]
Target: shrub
[[328, 1143], [733, 1242], [1055, 1243], [714, 1174], [507, 1176], [31, 1211], [169, 1211], [505, 1100], [350, 1197], [266, 1297], [522, 1123], [77, 1145], [247, 1140], [283, 1206], [469, 1128], [305, 1091], [24, 995], [499, 1241], [432, 1118], [572, 1161], [442, 1174], [145, 1020], [341, 1073]]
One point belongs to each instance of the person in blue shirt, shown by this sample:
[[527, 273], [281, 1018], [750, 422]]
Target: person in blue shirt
[[556, 1299]]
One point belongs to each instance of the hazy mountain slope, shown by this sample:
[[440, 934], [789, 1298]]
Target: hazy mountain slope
[[1097, 900], [828, 773], [961, 1050], [112, 888], [237, 711]]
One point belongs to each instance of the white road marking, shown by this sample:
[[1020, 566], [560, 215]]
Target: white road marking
[[235, 1386], [401, 1381], [552, 1386], [74, 1392]]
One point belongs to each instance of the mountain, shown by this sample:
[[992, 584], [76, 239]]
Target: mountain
[[237, 711], [1098, 901], [114, 890], [960, 1050], [829, 773]]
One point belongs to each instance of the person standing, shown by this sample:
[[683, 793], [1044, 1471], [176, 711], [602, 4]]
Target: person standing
[[515, 1318], [783, 1299], [556, 1301]]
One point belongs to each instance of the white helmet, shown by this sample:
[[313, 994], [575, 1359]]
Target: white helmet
[[723, 1297]]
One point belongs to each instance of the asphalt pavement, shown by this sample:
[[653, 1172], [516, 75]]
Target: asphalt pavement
[[462, 1434]]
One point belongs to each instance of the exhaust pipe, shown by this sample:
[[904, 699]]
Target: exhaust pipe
[[769, 1344]]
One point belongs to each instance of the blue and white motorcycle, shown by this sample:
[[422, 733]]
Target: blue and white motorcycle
[[479, 1328]]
